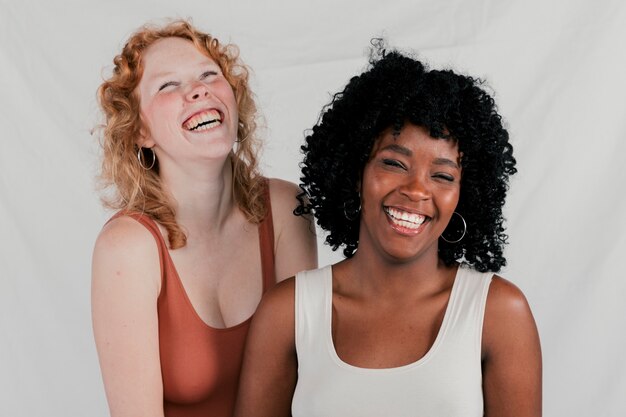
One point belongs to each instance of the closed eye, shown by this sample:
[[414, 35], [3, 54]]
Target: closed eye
[[167, 84], [445, 177], [393, 163], [207, 74]]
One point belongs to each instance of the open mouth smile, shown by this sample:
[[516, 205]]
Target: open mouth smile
[[204, 120], [405, 220]]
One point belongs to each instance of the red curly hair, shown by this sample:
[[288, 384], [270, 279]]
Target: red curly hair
[[141, 190]]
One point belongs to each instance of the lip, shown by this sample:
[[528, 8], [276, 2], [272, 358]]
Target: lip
[[200, 111], [406, 231]]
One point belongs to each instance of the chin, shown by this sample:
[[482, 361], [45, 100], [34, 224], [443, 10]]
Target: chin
[[216, 150], [400, 256]]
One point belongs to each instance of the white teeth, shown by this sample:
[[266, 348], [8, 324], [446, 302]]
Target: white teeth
[[207, 126], [407, 225], [404, 218], [203, 121]]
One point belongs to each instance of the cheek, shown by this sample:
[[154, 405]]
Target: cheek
[[374, 188], [451, 200], [165, 102], [227, 94], [156, 111]]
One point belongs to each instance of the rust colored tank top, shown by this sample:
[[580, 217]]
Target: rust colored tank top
[[200, 365]]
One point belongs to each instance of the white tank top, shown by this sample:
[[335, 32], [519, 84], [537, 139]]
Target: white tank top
[[445, 382]]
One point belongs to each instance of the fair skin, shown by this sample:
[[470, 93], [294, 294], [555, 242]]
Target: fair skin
[[392, 294], [179, 88]]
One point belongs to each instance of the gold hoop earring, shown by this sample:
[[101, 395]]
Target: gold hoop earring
[[141, 158]]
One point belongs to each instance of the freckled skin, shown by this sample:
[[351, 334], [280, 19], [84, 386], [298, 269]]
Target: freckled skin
[[178, 82], [195, 172]]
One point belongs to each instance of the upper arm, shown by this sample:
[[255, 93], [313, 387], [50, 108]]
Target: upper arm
[[295, 242], [125, 287], [270, 366], [511, 354]]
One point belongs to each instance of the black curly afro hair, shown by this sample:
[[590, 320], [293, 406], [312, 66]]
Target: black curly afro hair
[[394, 90]]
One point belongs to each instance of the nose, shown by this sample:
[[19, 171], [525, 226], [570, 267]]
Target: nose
[[197, 90], [415, 189]]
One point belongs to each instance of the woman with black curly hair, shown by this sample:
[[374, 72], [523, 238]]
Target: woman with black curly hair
[[407, 169]]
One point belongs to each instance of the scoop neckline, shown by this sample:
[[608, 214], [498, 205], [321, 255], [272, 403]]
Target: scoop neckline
[[328, 305], [167, 260], [188, 302]]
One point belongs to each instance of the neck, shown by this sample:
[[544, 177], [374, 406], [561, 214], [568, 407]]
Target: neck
[[203, 195], [381, 277]]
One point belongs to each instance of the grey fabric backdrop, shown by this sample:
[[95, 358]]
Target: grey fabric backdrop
[[557, 68]]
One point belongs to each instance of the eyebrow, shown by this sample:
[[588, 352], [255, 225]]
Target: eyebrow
[[445, 161], [397, 148], [394, 147]]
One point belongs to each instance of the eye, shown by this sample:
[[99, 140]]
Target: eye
[[208, 74], [167, 84], [444, 176], [393, 163]]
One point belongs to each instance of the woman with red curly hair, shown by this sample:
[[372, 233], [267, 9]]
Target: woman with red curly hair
[[199, 234]]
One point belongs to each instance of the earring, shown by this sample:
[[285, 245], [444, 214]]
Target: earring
[[141, 158], [350, 211], [462, 234]]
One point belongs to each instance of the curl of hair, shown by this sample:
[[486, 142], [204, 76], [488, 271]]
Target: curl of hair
[[394, 90], [137, 189]]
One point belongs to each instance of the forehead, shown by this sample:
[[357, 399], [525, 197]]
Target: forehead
[[414, 138], [171, 52]]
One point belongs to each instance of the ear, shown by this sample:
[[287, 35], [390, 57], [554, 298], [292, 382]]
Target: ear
[[144, 140]]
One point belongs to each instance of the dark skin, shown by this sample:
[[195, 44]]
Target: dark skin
[[391, 296]]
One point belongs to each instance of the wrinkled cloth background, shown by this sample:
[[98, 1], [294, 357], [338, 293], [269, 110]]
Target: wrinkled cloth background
[[558, 72]]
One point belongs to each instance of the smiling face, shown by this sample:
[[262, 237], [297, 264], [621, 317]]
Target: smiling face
[[186, 104], [409, 190]]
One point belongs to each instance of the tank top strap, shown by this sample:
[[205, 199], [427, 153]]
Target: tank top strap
[[165, 262], [467, 309], [148, 223], [471, 289], [313, 293], [266, 242]]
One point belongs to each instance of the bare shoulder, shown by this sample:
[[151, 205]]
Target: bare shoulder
[[294, 236], [267, 386], [511, 353], [508, 317], [125, 286], [274, 320], [277, 304], [506, 298], [123, 231], [124, 247], [283, 195]]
